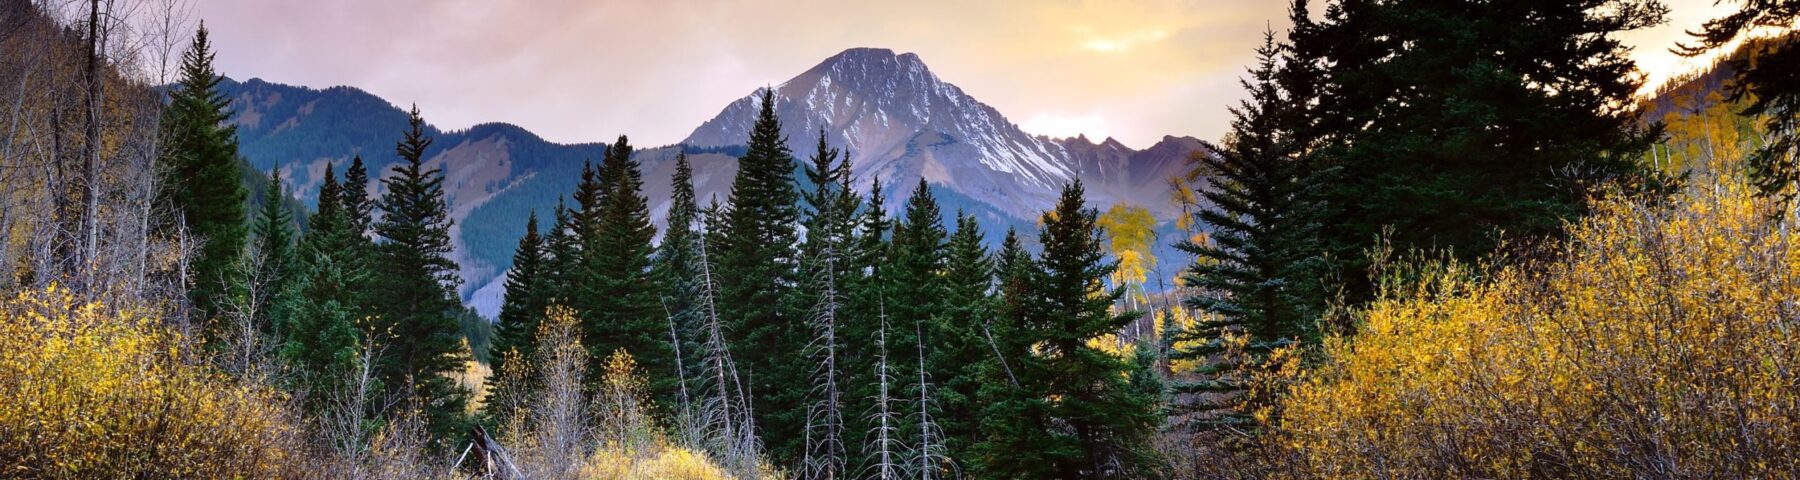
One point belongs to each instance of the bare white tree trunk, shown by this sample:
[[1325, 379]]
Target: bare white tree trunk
[[825, 452], [884, 443]]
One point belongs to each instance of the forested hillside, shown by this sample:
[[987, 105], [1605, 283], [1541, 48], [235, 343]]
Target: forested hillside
[[1414, 255]]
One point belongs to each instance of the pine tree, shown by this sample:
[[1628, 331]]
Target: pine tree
[[958, 344], [756, 269], [916, 294], [521, 312], [863, 367], [200, 180], [623, 296], [675, 268], [1070, 411], [276, 269], [1260, 279], [829, 222], [322, 339], [1014, 409], [418, 302], [1444, 137], [524, 305], [359, 209], [563, 250]]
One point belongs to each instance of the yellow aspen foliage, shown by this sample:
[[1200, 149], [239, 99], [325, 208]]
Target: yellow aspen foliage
[[661, 463], [1657, 342], [1130, 231], [88, 392]]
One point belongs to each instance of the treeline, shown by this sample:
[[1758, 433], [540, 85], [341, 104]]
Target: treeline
[[841, 340]]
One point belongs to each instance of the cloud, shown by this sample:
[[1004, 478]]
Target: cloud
[[1123, 43]]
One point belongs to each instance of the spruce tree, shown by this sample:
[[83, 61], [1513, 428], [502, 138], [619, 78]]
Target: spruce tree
[[524, 304], [322, 338], [276, 270], [359, 209], [675, 268], [1446, 135], [200, 181], [521, 311], [1260, 278], [756, 269], [958, 342], [562, 250], [1070, 411], [422, 338], [822, 300], [863, 362], [916, 295], [626, 312], [1014, 409]]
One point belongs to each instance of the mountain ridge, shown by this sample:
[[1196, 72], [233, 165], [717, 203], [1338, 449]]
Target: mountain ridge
[[899, 121]]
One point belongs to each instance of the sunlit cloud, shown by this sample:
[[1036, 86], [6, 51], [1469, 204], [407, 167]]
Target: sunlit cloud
[[1121, 43]]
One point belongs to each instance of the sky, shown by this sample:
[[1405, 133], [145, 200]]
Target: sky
[[579, 71]]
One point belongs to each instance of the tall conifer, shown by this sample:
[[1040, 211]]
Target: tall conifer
[[276, 265], [323, 337], [1067, 409], [626, 312], [417, 306], [200, 180], [1261, 276], [676, 268], [756, 268]]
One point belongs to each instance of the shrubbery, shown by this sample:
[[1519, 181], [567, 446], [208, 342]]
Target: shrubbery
[[1658, 342], [87, 392]]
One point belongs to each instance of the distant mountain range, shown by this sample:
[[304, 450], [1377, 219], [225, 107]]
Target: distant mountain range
[[899, 122]]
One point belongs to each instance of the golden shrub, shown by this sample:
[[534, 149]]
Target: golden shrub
[[658, 464], [88, 393], [1659, 342]]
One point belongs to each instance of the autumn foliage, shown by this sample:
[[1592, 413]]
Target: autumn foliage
[[1658, 342], [87, 392]]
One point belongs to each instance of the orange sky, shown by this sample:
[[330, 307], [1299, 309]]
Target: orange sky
[[590, 70]]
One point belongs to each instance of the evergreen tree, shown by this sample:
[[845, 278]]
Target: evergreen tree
[[916, 294], [418, 302], [863, 321], [200, 180], [359, 209], [828, 210], [1067, 409], [563, 250], [1260, 278], [756, 269], [521, 311], [322, 338], [676, 269], [626, 313], [589, 198], [1445, 135], [958, 341], [276, 269], [524, 304]]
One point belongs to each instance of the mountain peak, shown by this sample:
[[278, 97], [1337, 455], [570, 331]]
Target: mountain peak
[[867, 71], [872, 55]]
